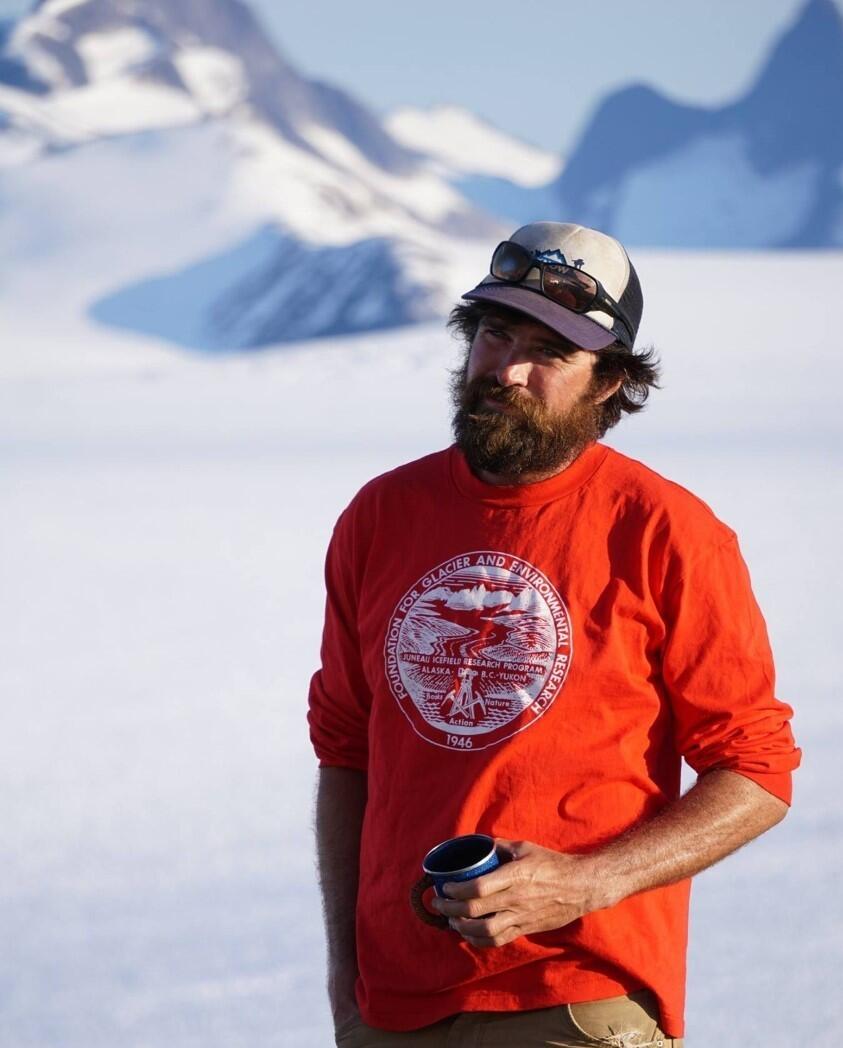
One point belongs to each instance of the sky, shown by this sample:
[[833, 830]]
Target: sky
[[533, 69]]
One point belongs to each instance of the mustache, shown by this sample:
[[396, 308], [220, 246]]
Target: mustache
[[484, 387]]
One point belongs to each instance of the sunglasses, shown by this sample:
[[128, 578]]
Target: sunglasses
[[566, 285]]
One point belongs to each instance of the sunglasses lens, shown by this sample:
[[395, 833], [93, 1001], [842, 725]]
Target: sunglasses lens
[[569, 287], [511, 261]]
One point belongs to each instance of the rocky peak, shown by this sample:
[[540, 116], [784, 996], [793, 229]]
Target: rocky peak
[[761, 171], [794, 111], [66, 44]]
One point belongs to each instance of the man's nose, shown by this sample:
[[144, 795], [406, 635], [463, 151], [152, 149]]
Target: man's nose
[[513, 369]]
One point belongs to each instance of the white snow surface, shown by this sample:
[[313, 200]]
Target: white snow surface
[[114, 52], [29, 112], [56, 8], [165, 519], [152, 172], [215, 78], [45, 66], [178, 196], [422, 193], [45, 22], [120, 106], [18, 147], [466, 144]]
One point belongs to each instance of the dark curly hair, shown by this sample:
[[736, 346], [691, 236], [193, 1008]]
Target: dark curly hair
[[638, 371]]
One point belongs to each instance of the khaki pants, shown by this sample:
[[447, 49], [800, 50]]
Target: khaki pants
[[619, 1022]]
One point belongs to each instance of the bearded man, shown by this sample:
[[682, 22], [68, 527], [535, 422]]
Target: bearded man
[[590, 624]]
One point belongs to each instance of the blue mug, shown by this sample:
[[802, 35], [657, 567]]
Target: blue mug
[[457, 859]]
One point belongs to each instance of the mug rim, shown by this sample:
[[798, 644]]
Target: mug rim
[[490, 851]]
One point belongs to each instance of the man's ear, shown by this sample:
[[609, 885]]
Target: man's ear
[[605, 392]]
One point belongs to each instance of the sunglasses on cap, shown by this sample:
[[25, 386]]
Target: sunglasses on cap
[[566, 285]]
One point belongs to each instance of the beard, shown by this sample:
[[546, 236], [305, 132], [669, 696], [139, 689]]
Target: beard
[[528, 438]]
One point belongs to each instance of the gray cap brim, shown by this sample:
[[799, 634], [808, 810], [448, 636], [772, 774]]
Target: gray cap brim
[[581, 330]]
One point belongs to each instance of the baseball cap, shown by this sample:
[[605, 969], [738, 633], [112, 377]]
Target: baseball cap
[[589, 251]]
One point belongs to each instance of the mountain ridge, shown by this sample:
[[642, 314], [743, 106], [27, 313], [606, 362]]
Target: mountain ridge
[[654, 171], [304, 181], [201, 191], [52, 39]]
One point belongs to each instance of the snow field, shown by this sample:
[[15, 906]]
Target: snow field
[[164, 523]]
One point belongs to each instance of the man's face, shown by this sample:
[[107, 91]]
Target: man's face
[[524, 401]]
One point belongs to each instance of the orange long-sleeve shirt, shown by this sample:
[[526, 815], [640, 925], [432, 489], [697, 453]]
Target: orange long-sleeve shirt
[[533, 662]]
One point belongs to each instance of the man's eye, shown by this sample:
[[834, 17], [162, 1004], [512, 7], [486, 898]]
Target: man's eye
[[555, 353]]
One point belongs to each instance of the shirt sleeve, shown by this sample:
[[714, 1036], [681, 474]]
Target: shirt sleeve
[[718, 672], [340, 699]]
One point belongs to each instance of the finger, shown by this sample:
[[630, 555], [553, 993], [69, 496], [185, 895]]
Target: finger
[[483, 927], [481, 887], [506, 850], [472, 907], [480, 944]]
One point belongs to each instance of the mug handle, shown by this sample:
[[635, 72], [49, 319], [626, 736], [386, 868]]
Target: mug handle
[[437, 920]]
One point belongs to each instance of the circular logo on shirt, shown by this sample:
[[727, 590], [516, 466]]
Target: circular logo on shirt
[[477, 650]]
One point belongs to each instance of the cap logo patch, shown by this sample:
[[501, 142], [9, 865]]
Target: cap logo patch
[[557, 258]]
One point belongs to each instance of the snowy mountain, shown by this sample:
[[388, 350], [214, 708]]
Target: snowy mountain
[[493, 170], [467, 145], [764, 171], [165, 171], [266, 284], [197, 157], [169, 63]]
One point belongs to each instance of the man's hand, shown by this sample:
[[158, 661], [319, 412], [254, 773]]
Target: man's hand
[[341, 980], [539, 889], [536, 890]]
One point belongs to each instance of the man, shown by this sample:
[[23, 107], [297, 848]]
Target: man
[[524, 636]]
